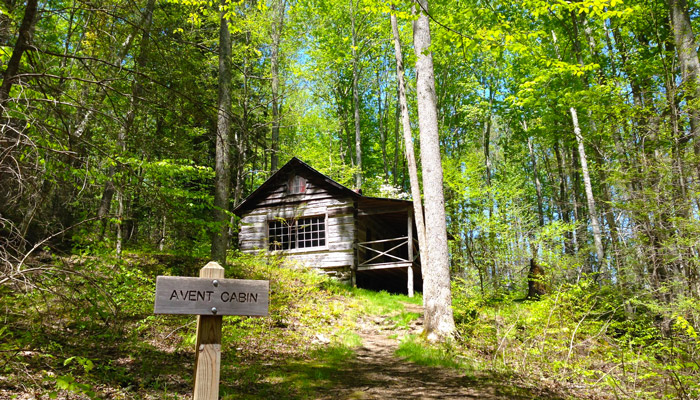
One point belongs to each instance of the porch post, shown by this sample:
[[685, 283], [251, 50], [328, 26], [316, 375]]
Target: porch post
[[355, 247], [409, 231]]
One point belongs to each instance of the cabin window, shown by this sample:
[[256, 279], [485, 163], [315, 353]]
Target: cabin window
[[299, 233], [296, 185]]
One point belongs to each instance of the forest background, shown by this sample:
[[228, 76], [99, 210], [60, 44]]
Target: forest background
[[570, 135]]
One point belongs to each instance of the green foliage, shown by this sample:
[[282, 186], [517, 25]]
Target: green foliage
[[381, 303], [403, 319], [70, 384], [582, 333], [107, 105], [416, 350]]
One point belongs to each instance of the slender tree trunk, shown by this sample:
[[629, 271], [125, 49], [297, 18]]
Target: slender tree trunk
[[24, 41], [127, 126], [686, 49], [241, 135], [356, 98], [109, 188], [563, 199], [381, 127], [397, 117], [438, 296], [277, 27], [161, 241], [221, 195], [536, 176], [486, 142], [588, 187], [120, 225], [122, 53], [408, 142]]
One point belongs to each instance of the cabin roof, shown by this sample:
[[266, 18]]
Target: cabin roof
[[296, 164]]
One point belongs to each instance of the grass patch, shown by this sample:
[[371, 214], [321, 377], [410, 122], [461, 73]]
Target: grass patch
[[404, 319], [420, 352], [382, 303], [300, 378], [348, 339]]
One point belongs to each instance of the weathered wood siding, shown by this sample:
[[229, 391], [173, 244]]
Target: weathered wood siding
[[336, 257]]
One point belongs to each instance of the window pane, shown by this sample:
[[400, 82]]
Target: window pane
[[301, 233]]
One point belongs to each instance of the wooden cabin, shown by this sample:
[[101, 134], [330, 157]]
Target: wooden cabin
[[308, 217]]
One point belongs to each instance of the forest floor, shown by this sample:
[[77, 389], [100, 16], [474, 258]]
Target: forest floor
[[376, 372], [94, 337]]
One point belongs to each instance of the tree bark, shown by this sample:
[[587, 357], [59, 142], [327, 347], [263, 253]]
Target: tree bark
[[590, 200], [24, 41], [241, 134], [109, 188], [277, 26], [563, 199], [128, 124], [686, 49], [356, 99], [381, 127], [536, 176], [397, 116], [437, 291], [588, 187], [408, 142], [219, 242]]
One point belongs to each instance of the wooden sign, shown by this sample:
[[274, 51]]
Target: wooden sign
[[202, 296], [210, 296]]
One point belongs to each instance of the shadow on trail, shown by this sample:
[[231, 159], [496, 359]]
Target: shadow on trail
[[371, 371], [376, 373]]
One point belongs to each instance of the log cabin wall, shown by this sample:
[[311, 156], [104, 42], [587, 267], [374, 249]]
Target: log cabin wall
[[337, 256], [290, 212]]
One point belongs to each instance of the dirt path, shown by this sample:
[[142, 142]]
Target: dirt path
[[376, 373]]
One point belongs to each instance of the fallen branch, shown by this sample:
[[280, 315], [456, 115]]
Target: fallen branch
[[18, 269]]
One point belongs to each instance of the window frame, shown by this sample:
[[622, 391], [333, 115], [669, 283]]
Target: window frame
[[296, 184], [299, 237]]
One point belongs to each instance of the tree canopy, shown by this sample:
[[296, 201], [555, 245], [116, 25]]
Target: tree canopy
[[569, 131]]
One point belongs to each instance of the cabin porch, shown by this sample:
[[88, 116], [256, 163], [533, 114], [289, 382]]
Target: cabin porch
[[387, 249]]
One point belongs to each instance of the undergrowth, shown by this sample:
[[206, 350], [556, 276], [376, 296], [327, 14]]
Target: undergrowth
[[416, 350], [83, 327], [584, 336]]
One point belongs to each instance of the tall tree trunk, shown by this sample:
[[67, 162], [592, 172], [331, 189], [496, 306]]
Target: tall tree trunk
[[381, 127], [486, 144], [109, 188], [128, 124], [590, 200], [408, 142], [356, 98], [588, 187], [437, 292], [24, 41], [277, 27], [219, 241], [241, 135], [563, 199], [686, 49], [397, 116], [536, 176]]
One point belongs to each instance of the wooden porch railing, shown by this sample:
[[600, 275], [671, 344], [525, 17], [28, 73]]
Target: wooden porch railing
[[398, 243]]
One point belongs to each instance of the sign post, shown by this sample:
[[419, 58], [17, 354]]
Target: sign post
[[210, 297]]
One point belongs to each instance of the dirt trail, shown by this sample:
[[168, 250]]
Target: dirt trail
[[376, 373]]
